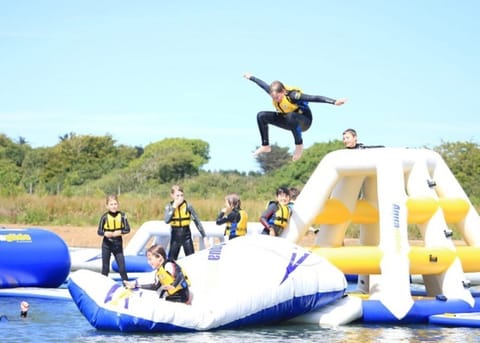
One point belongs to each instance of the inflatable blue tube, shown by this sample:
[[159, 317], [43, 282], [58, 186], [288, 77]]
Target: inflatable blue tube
[[134, 264], [32, 258], [375, 312]]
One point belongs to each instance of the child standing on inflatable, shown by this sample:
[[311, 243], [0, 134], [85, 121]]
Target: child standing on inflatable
[[291, 112], [169, 277], [233, 215], [179, 214], [112, 226], [275, 218]]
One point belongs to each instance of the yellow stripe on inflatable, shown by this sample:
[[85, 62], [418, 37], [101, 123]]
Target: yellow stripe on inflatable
[[365, 213], [334, 212], [454, 209], [421, 210], [366, 259], [469, 257]]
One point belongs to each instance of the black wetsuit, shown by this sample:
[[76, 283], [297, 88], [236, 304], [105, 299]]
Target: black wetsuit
[[233, 218], [181, 235], [297, 122], [182, 295], [113, 245]]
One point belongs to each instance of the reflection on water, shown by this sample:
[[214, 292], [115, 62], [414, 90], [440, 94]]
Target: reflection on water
[[60, 321]]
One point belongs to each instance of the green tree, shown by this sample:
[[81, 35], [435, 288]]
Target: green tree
[[463, 159], [275, 159], [170, 159]]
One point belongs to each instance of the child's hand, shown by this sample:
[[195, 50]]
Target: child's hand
[[167, 287], [130, 284]]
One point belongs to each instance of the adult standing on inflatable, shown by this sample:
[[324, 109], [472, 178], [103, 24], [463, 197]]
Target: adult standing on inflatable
[[292, 112], [179, 213], [112, 226]]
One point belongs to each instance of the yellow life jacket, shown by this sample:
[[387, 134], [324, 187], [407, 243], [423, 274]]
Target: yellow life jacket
[[114, 222], [286, 105], [166, 278], [241, 225], [181, 216], [281, 216]]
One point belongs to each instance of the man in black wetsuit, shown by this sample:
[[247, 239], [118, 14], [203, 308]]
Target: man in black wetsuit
[[292, 113]]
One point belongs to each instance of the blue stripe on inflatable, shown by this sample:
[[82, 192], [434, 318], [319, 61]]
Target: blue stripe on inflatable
[[471, 320], [375, 312], [103, 319], [32, 258]]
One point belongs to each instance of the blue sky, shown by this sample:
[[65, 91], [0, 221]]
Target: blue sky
[[147, 70]]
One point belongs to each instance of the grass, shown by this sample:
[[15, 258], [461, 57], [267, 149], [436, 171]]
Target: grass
[[86, 211]]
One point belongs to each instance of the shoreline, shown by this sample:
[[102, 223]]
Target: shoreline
[[86, 236]]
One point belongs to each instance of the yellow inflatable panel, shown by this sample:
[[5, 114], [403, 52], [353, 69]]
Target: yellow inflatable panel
[[366, 259], [454, 209], [470, 258], [365, 213], [421, 209], [334, 212]]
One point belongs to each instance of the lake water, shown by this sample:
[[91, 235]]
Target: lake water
[[58, 320]]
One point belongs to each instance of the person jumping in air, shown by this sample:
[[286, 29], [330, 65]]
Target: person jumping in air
[[291, 112]]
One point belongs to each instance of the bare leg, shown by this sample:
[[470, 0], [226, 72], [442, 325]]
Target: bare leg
[[262, 149], [298, 152]]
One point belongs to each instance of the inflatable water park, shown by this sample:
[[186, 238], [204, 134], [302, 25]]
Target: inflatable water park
[[263, 280]]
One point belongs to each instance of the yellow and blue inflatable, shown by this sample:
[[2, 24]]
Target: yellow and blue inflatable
[[32, 257]]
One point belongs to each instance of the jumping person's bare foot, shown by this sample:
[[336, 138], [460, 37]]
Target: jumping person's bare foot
[[262, 149], [298, 152]]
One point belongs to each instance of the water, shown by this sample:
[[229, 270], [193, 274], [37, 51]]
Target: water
[[56, 320]]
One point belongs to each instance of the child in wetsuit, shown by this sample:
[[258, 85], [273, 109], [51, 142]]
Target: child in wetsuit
[[275, 218], [235, 218], [169, 277], [112, 226], [179, 213]]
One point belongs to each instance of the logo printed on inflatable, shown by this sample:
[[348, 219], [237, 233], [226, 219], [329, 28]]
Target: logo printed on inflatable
[[114, 300], [16, 237], [292, 265], [214, 252]]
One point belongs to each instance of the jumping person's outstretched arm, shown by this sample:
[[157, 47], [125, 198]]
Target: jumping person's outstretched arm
[[262, 84]]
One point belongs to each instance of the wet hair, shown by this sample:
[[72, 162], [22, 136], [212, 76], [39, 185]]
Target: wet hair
[[110, 197], [352, 131], [233, 200], [157, 250], [176, 188], [294, 192], [283, 190], [277, 86]]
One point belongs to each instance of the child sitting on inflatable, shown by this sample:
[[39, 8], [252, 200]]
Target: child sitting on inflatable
[[275, 218], [169, 277]]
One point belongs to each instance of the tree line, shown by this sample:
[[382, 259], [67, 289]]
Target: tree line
[[85, 165]]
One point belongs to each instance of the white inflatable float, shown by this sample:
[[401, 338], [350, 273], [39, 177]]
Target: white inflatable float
[[252, 280]]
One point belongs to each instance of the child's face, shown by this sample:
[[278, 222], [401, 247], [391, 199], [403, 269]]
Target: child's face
[[283, 198], [112, 205], [178, 195], [155, 261]]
